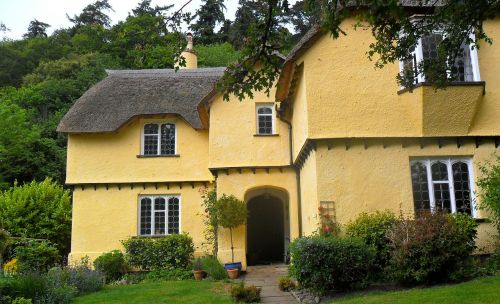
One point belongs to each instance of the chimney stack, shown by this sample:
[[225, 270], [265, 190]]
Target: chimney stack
[[189, 54]]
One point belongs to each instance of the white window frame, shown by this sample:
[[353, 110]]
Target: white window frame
[[143, 140], [153, 197], [273, 122], [449, 161], [419, 56]]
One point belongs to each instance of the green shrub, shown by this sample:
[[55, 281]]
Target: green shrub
[[246, 294], [111, 264], [22, 300], [372, 229], [81, 276], [214, 268], [173, 274], [285, 283], [321, 264], [489, 185], [57, 289], [33, 255], [38, 210], [29, 285], [433, 247], [171, 251]]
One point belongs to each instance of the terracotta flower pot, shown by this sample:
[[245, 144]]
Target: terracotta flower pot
[[233, 273], [198, 274]]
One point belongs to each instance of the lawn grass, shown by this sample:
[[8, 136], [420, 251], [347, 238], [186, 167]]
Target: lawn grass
[[485, 290], [161, 292]]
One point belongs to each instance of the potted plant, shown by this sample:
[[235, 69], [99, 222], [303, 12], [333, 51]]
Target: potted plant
[[232, 214], [198, 269]]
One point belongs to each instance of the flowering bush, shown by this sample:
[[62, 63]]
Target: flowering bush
[[328, 227], [10, 267]]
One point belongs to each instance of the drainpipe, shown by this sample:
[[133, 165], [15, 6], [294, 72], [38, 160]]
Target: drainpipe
[[281, 112]]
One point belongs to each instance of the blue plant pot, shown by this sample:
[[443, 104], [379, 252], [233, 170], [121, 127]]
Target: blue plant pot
[[236, 265]]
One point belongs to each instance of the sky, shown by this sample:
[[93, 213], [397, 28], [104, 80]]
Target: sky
[[17, 14]]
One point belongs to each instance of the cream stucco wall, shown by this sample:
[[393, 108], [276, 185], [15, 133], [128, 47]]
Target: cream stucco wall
[[113, 157], [347, 97], [309, 194], [375, 174], [102, 218], [233, 141], [242, 184]]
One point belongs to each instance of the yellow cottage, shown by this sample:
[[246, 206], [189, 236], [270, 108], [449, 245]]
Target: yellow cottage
[[337, 134]]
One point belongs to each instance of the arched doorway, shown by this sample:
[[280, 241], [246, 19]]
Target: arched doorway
[[267, 227]]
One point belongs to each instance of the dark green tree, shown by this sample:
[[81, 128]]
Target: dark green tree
[[302, 18], [37, 29], [208, 16], [93, 14], [3, 27]]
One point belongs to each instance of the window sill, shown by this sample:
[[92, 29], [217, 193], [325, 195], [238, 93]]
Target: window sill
[[153, 156], [266, 135], [451, 84]]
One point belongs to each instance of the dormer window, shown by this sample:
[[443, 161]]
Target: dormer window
[[265, 119], [465, 68], [158, 139]]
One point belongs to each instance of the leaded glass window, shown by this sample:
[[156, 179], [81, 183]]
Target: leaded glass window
[[159, 139], [167, 139], [464, 68], [443, 184], [420, 187], [145, 216], [265, 120], [461, 184], [159, 215], [151, 139], [173, 215]]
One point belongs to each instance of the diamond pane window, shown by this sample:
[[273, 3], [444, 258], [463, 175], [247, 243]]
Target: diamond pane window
[[145, 225], [173, 215], [464, 68], [159, 215], [462, 187], [420, 187], [265, 120], [443, 185], [159, 139], [167, 139], [150, 139]]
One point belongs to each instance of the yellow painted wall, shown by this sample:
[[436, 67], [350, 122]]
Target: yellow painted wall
[[487, 120], [112, 157], [309, 194], [240, 184], [232, 140], [102, 218], [347, 97], [377, 178], [300, 115]]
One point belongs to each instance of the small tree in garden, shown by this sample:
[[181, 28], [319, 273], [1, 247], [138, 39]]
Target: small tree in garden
[[490, 190], [210, 219], [232, 213]]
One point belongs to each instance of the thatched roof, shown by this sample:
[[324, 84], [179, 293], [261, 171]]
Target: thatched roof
[[125, 94]]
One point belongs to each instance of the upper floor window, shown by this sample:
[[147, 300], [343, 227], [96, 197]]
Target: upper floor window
[[159, 215], [444, 184], [265, 120], [465, 67], [158, 139]]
